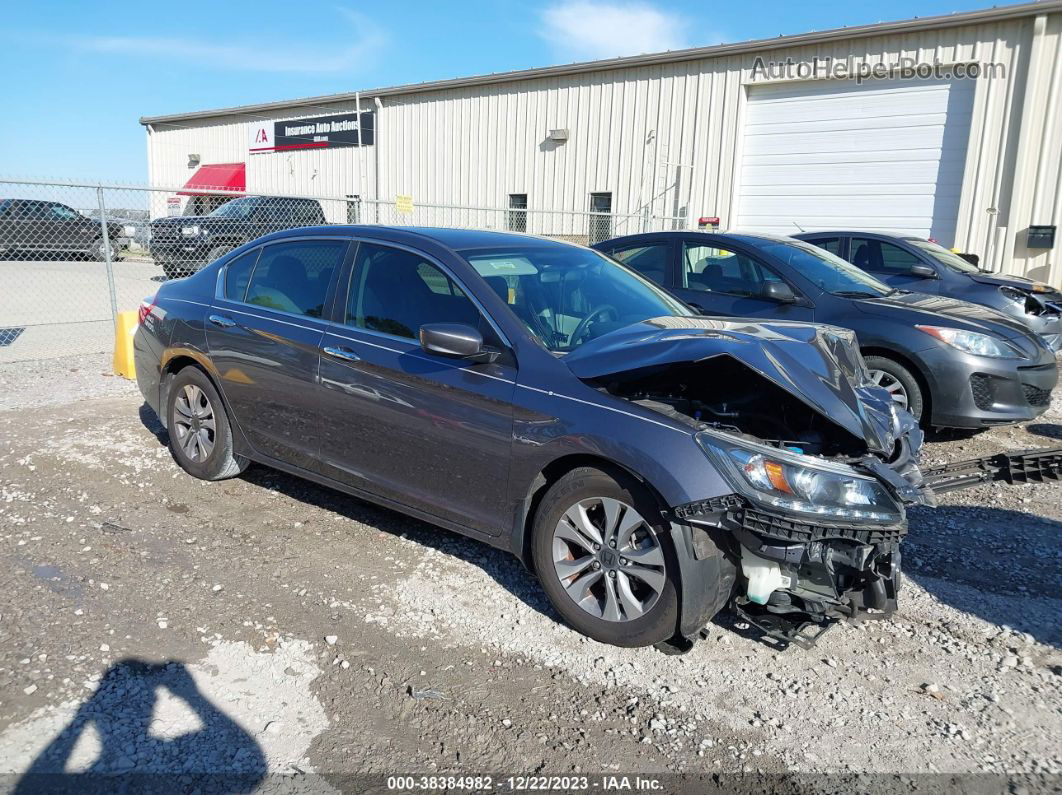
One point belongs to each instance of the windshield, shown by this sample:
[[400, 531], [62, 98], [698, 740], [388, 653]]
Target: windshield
[[567, 295], [240, 208], [827, 271], [943, 256]]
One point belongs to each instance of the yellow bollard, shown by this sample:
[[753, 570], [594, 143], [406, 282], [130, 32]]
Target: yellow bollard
[[124, 330]]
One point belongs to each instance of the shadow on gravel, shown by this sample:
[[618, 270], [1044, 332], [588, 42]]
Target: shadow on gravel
[[1008, 559], [1050, 430], [501, 566], [186, 741]]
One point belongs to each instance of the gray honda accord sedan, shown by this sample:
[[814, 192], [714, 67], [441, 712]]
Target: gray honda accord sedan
[[650, 465]]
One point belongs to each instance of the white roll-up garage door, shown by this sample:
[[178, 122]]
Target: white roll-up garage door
[[884, 155]]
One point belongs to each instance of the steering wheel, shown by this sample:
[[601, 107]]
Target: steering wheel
[[584, 324]]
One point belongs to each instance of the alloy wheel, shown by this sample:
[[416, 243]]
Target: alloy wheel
[[194, 423], [608, 559], [892, 385]]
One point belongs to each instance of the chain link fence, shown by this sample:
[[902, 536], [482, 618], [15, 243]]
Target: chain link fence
[[72, 255]]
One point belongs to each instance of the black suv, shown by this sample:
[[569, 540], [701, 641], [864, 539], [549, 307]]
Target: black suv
[[184, 244], [34, 225]]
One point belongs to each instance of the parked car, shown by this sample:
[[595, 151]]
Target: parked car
[[950, 363], [546, 400], [30, 226], [183, 244], [922, 266]]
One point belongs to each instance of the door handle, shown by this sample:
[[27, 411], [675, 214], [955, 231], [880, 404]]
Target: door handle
[[221, 320], [346, 354]]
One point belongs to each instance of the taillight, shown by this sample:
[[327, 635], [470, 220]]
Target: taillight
[[145, 309]]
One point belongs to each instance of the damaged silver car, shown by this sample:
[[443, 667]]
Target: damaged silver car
[[650, 465]]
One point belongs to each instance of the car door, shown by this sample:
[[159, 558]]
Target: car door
[[891, 263], [719, 281], [33, 227], [73, 230], [430, 432], [264, 336]]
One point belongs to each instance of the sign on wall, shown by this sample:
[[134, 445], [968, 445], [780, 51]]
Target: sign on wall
[[320, 132]]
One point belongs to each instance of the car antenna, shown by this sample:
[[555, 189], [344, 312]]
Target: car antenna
[[798, 226]]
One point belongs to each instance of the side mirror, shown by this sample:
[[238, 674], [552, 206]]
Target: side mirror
[[455, 340], [923, 272], [779, 291]]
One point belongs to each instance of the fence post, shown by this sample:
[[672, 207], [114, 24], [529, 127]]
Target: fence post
[[107, 258]]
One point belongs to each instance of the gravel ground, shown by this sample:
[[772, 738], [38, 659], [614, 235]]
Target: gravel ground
[[152, 622]]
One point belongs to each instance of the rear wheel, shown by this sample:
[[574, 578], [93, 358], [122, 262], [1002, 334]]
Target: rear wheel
[[604, 558], [899, 382], [99, 250], [200, 434]]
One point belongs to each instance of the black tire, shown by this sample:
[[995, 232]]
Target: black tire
[[217, 463], [174, 270], [98, 252], [219, 251], [660, 621], [915, 399]]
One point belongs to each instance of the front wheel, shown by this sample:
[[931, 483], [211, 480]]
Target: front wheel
[[899, 382], [200, 434], [605, 560]]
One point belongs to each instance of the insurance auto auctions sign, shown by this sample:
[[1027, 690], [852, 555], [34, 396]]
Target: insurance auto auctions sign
[[320, 132]]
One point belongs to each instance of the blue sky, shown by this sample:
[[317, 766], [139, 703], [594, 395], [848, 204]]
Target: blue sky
[[79, 75]]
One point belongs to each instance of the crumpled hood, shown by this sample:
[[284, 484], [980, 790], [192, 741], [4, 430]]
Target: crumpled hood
[[820, 365], [1046, 292], [939, 310]]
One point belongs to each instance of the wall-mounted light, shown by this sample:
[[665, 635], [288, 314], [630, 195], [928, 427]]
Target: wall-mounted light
[[558, 136], [193, 161]]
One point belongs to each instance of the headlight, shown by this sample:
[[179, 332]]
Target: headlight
[[1014, 294], [190, 231], [972, 342], [798, 483]]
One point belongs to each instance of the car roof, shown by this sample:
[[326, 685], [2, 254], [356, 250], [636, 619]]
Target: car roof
[[741, 237], [861, 232], [455, 239]]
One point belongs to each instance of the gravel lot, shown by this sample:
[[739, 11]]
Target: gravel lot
[[152, 622]]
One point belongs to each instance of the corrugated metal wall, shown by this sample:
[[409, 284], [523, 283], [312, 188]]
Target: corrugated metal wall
[[664, 138]]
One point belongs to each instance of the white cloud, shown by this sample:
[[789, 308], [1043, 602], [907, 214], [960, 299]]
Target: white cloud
[[258, 56], [592, 29]]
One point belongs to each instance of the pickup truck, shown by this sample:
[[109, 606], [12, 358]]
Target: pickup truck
[[182, 245]]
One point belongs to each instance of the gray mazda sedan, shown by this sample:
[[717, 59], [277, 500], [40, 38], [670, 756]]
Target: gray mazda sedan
[[650, 465]]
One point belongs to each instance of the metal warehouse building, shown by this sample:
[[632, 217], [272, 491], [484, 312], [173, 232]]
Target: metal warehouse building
[[948, 127]]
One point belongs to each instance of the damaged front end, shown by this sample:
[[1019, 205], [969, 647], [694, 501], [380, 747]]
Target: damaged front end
[[819, 462]]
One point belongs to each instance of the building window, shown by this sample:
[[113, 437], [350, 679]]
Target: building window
[[516, 218], [600, 217]]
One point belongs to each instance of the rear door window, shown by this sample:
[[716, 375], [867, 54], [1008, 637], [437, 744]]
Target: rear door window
[[294, 277], [650, 260], [831, 244]]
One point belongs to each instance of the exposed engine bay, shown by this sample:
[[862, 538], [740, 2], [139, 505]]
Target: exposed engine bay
[[819, 461], [800, 575], [726, 394]]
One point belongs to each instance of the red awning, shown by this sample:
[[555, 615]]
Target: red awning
[[230, 177]]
